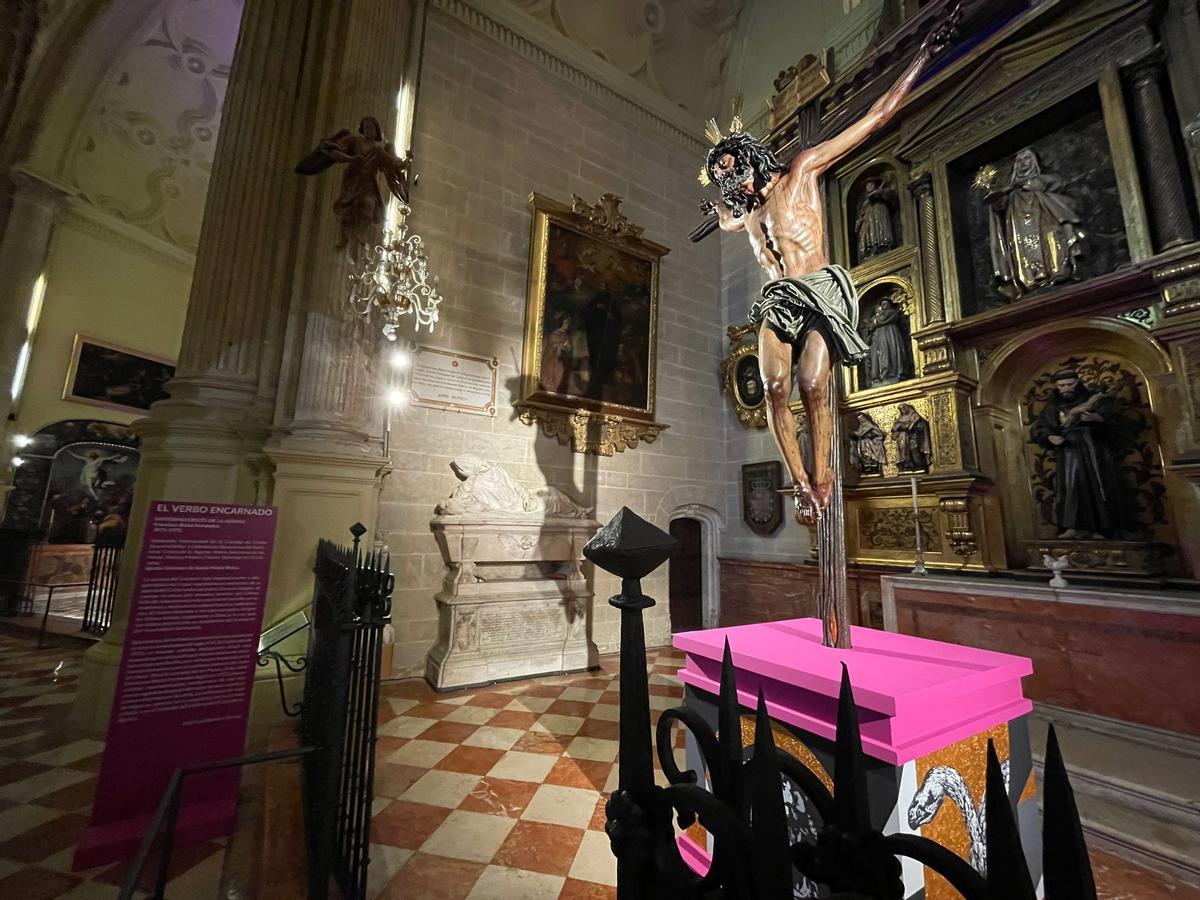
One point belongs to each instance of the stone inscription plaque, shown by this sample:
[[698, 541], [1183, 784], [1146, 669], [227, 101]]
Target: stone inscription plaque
[[522, 626], [444, 379]]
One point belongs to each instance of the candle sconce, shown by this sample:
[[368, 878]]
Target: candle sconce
[[919, 568]]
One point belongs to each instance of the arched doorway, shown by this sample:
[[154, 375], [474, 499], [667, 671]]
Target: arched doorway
[[687, 576]]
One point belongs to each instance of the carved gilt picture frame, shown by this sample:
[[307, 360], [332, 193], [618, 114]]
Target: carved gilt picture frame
[[591, 326]]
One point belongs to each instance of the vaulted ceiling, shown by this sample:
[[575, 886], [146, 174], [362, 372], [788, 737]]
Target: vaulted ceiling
[[143, 150], [128, 120], [132, 126], [680, 48]]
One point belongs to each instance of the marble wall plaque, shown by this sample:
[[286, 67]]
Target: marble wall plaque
[[445, 379]]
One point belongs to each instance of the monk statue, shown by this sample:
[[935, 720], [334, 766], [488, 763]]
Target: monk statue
[[807, 315], [1034, 229], [889, 353]]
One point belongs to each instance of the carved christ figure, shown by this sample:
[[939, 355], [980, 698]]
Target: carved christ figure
[[807, 316]]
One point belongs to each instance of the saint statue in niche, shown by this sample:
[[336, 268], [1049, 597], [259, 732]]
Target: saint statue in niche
[[1087, 502], [1034, 229], [367, 157], [873, 227], [914, 450], [889, 352], [868, 453]]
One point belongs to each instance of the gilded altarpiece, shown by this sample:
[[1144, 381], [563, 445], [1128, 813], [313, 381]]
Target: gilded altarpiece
[[1039, 221]]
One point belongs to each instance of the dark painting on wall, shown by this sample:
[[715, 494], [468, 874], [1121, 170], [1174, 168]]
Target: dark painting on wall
[[104, 374]]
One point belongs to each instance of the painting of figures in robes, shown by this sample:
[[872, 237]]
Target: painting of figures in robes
[[591, 320]]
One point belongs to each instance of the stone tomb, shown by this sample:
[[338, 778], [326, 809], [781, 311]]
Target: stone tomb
[[514, 602]]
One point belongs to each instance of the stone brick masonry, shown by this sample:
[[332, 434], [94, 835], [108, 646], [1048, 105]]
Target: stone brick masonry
[[491, 127]]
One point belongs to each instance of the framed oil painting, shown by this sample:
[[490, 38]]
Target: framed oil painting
[[116, 377], [591, 326]]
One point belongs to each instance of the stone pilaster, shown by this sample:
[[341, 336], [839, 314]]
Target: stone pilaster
[[327, 459], [330, 402], [931, 261], [206, 442], [1170, 218], [34, 204]]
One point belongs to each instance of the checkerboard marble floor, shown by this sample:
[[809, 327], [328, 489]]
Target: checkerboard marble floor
[[48, 776], [499, 793], [491, 794]]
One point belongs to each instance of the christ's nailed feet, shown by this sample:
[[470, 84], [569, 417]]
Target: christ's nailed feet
[[808, 512]]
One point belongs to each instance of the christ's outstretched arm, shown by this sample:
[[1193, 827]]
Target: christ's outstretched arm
[[815, 160]]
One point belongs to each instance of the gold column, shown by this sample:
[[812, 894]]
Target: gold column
[[931, 263], [1170, 218]]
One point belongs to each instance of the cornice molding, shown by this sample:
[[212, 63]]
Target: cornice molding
[[558, 54], [82, 216], [76, 212]]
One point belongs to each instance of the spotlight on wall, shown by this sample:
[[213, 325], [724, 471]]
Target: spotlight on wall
[[22, 440], [400, 360], [17, 462], [397, 397]]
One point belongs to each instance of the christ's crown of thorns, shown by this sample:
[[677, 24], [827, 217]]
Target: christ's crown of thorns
[[712, 131]]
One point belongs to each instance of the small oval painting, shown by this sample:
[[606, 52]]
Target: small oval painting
[[748, 381]]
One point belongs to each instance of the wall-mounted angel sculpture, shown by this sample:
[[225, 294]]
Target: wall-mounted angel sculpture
[[360, 204]]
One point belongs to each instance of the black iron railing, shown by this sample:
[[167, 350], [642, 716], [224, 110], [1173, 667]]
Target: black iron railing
[[102, 582], [337, 725], [338, 716], [752, 855], [17, 549]]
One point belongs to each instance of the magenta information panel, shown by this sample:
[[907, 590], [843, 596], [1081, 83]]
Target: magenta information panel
[[187, 670]]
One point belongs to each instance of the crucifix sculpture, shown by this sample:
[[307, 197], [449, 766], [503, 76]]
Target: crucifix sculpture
[[807, 316]]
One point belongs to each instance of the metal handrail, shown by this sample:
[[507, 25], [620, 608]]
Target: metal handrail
[[168, 812]]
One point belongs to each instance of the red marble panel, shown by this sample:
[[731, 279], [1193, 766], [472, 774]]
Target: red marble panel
[[1131, 664], [755, 591]]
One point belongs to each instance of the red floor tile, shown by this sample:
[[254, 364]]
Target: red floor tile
[[405, 824], [428, 877], [538, 847]]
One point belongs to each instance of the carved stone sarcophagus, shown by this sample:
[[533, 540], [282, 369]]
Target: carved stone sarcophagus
[[514, 602]]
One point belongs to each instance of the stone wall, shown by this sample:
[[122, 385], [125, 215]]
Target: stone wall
[[491, 126]]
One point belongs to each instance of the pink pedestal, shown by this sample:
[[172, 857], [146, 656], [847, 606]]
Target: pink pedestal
[[914, 696], [927, 711]]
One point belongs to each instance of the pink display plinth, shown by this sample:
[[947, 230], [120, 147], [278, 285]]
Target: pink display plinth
[[914, 696]]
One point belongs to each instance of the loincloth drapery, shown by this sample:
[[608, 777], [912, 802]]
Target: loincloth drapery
[[824, 300]]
